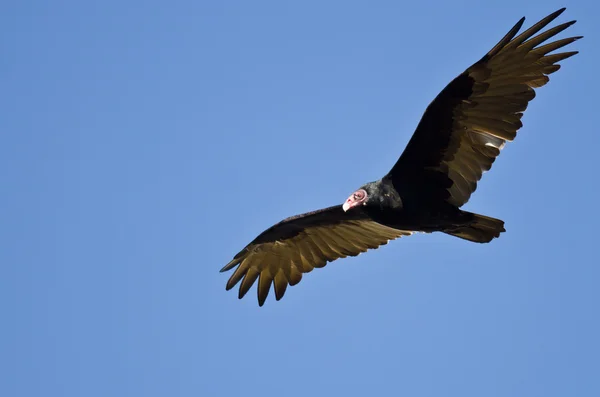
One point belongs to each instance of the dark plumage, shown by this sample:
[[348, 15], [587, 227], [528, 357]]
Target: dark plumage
[[458, 138]]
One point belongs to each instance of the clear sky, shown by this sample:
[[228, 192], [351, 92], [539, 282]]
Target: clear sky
[[144, 143]]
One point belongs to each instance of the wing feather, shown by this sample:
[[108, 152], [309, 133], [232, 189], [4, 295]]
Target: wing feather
[[280, 283], [281, 254], [265, 279], [249, 278], [464, 129]]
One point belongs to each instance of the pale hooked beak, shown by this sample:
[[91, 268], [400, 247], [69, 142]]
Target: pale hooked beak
[[346, 206]]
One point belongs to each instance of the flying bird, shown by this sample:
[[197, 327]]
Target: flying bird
[[457, 139]]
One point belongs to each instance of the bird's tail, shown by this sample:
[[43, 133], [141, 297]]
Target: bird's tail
[[481, 229]]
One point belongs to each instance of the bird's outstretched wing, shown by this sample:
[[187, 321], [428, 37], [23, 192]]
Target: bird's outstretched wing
[[463, 130], [296, 245]]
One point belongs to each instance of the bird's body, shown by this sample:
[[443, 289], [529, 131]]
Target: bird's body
[[405, 212], [458, 138]]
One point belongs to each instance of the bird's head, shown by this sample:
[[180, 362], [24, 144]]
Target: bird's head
[[362, 196], [357, 198], [380, 194]]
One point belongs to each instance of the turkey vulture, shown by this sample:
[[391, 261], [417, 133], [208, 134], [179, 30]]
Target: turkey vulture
[[458, 138]]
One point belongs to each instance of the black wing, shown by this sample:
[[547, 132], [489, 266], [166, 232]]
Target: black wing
[[296, 245], [463, 130]]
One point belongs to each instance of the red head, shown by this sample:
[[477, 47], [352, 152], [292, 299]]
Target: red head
[[357, 198]]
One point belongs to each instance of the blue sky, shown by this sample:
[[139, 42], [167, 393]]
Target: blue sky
[[145, 143]]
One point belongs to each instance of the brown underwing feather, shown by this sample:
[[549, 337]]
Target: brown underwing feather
[[249, 279], [294, 246], [540, 38], [265, 279], [466, 126], [532, 30], [295, 276], [280, 283]]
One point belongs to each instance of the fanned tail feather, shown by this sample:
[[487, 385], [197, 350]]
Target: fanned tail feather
[[482, 229]]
